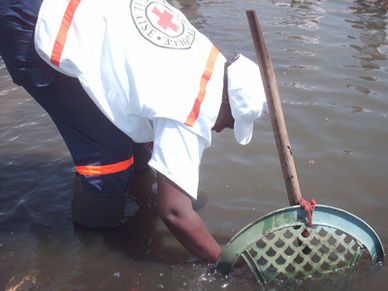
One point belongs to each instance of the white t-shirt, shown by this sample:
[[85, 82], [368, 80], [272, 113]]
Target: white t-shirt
[[151, 73], [177, 154]]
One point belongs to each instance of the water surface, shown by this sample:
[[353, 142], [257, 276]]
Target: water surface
[[330, 58]]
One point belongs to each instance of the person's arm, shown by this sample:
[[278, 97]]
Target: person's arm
[[176, 210]]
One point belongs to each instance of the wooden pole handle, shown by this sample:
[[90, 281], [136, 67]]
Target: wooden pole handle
[[275, 110]]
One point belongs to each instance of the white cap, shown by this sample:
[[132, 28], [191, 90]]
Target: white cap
[[246, 96]]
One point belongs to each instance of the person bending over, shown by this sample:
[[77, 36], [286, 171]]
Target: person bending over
[[115, 76]]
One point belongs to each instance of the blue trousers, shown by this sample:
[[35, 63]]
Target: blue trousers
[[92, 140]]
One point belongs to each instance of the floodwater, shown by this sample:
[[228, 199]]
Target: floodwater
[[331, 62]]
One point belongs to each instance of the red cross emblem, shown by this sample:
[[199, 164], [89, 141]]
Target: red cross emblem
[[165, 19], [161, 24]]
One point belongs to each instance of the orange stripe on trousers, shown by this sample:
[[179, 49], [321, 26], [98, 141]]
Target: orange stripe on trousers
[[105, 169], [207, 74], [63, 30]]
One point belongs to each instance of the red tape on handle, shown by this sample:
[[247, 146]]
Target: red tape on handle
[[309, 208]]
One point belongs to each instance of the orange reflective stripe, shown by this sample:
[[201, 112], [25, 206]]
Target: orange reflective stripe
[[62, 34], [104, 170], [202, 88]]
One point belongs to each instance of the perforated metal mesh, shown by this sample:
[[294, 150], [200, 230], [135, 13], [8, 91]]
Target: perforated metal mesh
[[289, 254], [278, 252]]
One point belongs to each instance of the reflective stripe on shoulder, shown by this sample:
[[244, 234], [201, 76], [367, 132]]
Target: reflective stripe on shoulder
[[104, 169], [207, 74], [60, 40]]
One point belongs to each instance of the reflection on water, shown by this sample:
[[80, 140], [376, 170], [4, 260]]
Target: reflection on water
[[330, 59]]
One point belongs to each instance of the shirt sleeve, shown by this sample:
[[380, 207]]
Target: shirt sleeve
[[177, 154]]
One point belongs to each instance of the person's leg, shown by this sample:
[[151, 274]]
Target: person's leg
[[101, 152]]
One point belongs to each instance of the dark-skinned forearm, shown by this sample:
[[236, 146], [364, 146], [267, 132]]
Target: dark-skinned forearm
[[175, 209]]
